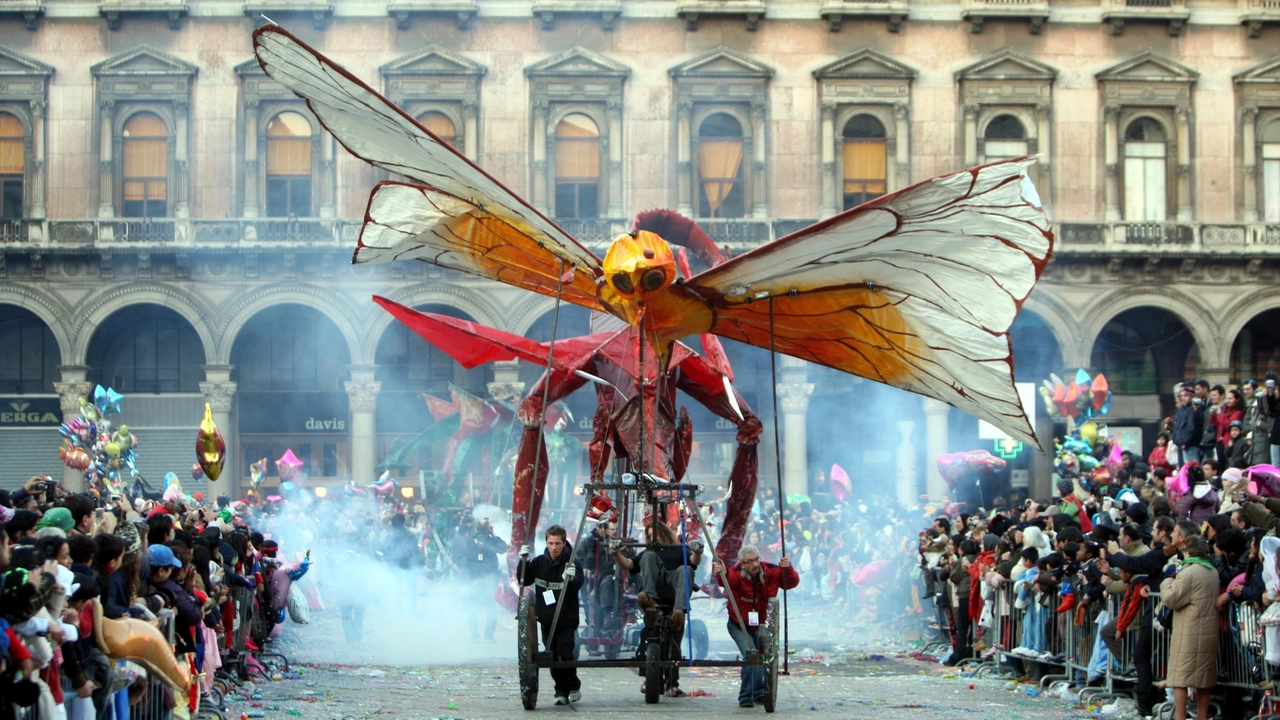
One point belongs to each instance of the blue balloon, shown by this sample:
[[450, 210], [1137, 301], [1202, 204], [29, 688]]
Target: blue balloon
[[107, 400]]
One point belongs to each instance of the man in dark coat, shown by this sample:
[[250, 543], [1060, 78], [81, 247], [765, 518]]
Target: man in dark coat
[[556, 580], [477, 555]]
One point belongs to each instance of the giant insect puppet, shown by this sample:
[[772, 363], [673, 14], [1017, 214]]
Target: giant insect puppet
[[916, 289]]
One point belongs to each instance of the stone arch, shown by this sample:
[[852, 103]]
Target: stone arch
[[1192, 314], [472, 303], [333, 307], [50, 309], [1237, 319], [1065, 329], [524, 314], [97, 308]]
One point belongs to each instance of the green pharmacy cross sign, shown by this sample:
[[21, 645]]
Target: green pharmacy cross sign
[[1007, 448]]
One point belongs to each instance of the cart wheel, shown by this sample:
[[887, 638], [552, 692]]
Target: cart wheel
[[769, 657], [526, 647], [652, 672]]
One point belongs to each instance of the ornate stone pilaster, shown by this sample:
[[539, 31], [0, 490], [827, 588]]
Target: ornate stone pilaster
[[35, 195], [1183, 113], [362, 392], [829, 145], [106, 168], [470, 116], [541, 199], [251, 191], [1248, 132], [935, 414], [794, 399], [219, 395], [1111, 159], [685, 190], [970, 135], [69, 395]]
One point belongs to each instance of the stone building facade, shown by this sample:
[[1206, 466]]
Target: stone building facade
[[178, 225]]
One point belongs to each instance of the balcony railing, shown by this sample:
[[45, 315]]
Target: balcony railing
[[13, 231], [142, 231], [751, 232], [1175, 238], [593, 231]]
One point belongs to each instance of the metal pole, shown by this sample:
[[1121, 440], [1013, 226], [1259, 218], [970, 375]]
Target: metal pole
[[782, 504], [551, 632]]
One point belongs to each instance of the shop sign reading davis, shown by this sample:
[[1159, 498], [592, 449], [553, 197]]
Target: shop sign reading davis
[[30, 412]]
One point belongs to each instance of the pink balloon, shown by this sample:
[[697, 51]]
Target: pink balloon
[[1267, 477], [1178, 485], [956, 466], [839, 483], [870, 574], [288, 466]]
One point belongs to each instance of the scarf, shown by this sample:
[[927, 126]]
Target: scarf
[[1199, 561]]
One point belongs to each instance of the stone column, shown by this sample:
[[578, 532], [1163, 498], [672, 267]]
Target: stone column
[[759, 185], [73, 387], [1248, 128], [1184, 163], [36, 194], [106, 169], [614, 165], [1043, 147], [181, 165], [829, 173], [1041, 483], [470, 140], [905, 461], [363, 391], [935, 438], [328, 178], [794, 399], [902, 146], [970, 135], [506, 383], [686, 193], [539, 169], [220, 393], [251, 192], [1111, 154]]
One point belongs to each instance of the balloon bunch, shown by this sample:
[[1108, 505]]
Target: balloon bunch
[[955, 467], [1082, 399], [89, 444], [1088, 453]]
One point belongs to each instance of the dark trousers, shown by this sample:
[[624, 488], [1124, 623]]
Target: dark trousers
[[962, 649], [1143, 687], [561, 648]]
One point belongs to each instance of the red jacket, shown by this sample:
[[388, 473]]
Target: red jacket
[[1223, 418], [753, 593]]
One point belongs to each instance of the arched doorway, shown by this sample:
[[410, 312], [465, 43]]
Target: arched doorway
[[291, 363], [409, 367], [154, 356], [1146, 351], [29, 409], [1256, 349]]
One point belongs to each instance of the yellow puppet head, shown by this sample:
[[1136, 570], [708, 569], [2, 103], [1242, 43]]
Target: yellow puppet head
[[636, 267]]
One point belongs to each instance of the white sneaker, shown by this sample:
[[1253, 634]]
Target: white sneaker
[[575, 696], [562, 700]]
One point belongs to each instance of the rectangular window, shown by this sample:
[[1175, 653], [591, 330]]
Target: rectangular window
[[577, 199], [330, 460], [864, 171], [289, 196], [720, 172], [1145, 188], [1271, 182], [11, 191]]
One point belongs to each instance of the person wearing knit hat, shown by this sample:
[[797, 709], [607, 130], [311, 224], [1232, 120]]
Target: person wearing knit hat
[[129, 533], [58, 517]]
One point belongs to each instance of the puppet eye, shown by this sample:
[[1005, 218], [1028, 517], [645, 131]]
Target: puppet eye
[[622, 282], [653, 279]]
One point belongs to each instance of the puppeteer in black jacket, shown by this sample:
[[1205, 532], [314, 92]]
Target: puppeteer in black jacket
[[546, 574]]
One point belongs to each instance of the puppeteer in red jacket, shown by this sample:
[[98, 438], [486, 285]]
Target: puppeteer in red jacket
[[753, 583]]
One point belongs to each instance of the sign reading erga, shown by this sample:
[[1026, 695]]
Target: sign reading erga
[[27, 411]]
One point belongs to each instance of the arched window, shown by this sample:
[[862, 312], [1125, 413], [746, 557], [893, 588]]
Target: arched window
[[146, 166], [289, 166], [28, 352], [441, 125], [12, 164], [147, 349], [577, 167], [290, 348], [1145, 350], [1004, 138], [865, 160], [720, 171], [1270, 172], [1145, 172]]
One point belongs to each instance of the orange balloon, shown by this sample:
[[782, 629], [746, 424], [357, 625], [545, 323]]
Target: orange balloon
[[130, 639]]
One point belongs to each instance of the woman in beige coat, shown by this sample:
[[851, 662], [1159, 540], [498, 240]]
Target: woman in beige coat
[[1193, 655]]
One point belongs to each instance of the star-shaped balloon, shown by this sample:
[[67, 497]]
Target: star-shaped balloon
[[107, 400], [289, 466]]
